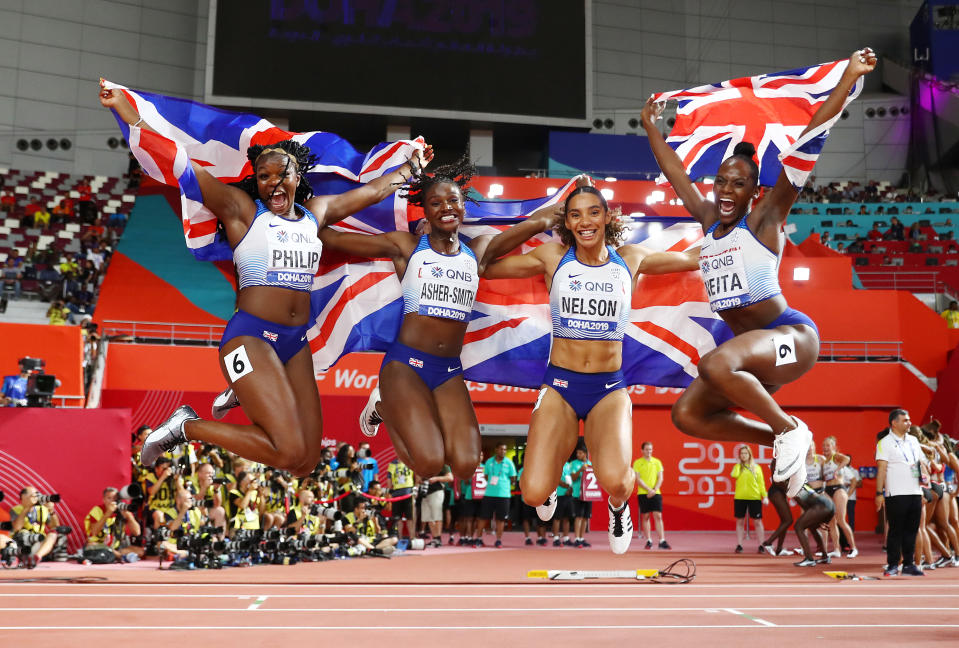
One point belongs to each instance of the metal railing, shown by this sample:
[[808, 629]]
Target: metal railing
[[68, 401], [921, 281], [860, 351], [163, 332]]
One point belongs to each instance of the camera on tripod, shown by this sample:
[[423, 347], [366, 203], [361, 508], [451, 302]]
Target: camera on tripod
[[40, 385]]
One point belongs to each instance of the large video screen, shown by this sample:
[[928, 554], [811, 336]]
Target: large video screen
[[523, 61]]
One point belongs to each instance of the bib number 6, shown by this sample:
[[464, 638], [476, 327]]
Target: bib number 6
[[237, 363]]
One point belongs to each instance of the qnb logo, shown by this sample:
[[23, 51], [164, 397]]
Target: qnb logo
[[282, 236], [436, 271], [575, 285], [597, 286]]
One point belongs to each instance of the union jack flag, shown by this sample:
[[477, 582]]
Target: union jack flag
[[768, 110], [272, 337], [218, 139], [357, 303]]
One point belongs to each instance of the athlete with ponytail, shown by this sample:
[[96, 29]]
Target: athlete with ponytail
[[773, 344]]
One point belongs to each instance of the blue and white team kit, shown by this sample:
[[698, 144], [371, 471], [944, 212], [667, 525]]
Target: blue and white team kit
[[739, 270], [588, 303], [278, 252], [436, 285]]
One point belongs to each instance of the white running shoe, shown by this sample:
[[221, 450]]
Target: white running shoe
[[835, 554], [789, 449], [853, 553], [224, 402], [546, 509], [369, 418], [167, 435], [620, 529]]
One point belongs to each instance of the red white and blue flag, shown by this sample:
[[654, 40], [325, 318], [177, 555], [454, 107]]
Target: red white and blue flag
[[357, 303], [768, 110]]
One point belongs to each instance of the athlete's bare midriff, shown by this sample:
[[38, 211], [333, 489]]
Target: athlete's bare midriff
[[278, 305], [435, 335], [587, 356], [755, 316]]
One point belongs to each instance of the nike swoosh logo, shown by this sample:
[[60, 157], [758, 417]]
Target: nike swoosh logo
[[429, 262], [788, 469], [277, 225], [608, 385], [575, 275], [451, 369]]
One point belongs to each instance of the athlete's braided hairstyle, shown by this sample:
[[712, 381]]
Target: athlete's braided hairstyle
[[615, 228], [459, 173], [301, 158]]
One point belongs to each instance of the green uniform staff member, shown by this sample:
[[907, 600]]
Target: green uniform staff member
[[401, 483], [103, 528], [499, 472], [649, 480], [750, 496], [366, 528], [582, 510], [564, 507]]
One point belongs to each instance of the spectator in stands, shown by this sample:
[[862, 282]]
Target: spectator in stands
[[41, 218], [857, 246], [8, 201], [70, 266], [31, 517], [62, 212], [840, 248], [951, 315], [58, 313], [896, 231], [134, 172], [11, 277], [32, 208], [50, 283], [110, 527], [915, 232], [887, 260], [86, 207]]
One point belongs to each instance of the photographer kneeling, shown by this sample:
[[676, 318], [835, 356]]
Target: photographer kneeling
[[367, 529], [187, 523], [246, 503], [162, 486], [208, 490], [34, 525], [305, 519], [110, 532]]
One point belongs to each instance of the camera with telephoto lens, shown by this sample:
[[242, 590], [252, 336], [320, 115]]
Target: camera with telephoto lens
[[221, 481], [328, 512], [52, 498], [27, 539]]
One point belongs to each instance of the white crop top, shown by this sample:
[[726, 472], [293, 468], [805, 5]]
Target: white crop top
[[591, 302], [279, 252], [440, 285], [738, 269]]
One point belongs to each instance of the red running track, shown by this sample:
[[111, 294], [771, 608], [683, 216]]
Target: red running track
[[479, 598]]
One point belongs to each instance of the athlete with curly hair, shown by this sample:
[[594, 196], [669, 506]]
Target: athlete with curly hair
[[272, 221], [590, 278], [421, 395]]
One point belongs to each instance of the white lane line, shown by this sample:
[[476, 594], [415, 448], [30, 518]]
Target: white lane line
[[859, 585], [738, 626], [253, 606], [364, 610], [751, 618], [848, 594]]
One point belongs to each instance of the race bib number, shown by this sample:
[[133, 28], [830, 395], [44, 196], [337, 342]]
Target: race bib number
[[785, 346], [237, 363], [493, 480], [478, 483], [725, 278], [294, 255], [591, 491]]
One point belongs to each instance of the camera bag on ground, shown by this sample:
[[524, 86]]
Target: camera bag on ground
[[99, 554]]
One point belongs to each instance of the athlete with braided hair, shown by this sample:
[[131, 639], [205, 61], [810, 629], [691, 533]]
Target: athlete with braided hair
[[773, 344], [272, 222], [421, 395]]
